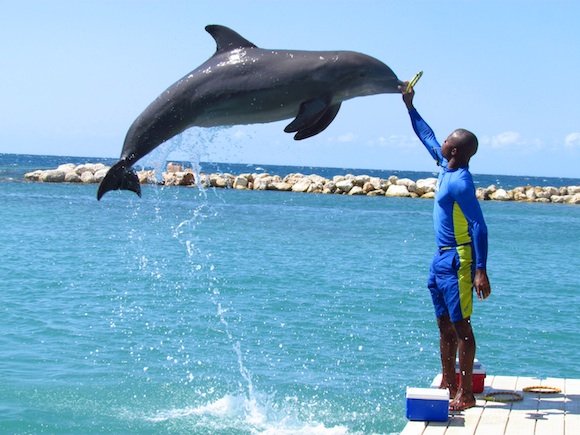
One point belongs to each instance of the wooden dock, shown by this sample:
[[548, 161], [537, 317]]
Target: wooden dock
[[536, 414]]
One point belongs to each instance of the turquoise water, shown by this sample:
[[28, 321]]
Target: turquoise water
[[227, 311]]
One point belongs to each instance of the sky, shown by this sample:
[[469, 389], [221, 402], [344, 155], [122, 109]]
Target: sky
[[75, 74]]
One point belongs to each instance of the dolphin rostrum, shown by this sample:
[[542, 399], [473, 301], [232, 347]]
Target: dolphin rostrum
[[244, 84]]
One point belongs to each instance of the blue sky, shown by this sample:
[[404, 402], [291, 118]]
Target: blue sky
[[75, 74]]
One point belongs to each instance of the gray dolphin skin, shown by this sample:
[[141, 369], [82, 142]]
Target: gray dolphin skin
[[244, 84]]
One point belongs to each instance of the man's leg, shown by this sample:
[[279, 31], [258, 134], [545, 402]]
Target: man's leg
[[466, 350], [448, 350]]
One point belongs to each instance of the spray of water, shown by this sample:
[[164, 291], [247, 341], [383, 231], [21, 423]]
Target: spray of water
[[170, 348]]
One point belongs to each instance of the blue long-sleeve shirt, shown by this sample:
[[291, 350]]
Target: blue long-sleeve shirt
[[457, 215]]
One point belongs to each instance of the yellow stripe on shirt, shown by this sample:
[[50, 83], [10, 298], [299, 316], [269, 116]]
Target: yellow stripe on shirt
[[460, 227]]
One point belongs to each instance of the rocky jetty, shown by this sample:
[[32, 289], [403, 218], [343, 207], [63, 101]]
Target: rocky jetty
[[349, 184]]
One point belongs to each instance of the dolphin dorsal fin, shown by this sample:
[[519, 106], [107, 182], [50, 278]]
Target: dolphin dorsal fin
[[226, 39]]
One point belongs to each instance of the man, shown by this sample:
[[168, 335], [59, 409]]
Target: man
[[459, 265]]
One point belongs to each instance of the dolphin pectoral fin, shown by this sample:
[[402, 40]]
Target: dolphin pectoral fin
[[320, 125], [119, 177], [308, 115]]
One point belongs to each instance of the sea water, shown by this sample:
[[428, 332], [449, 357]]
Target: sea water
[[223, 311]]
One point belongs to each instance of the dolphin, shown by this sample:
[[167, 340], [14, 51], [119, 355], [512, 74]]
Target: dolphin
[[244, 84]]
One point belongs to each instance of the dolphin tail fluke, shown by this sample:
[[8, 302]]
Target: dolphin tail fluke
[[119, 177]]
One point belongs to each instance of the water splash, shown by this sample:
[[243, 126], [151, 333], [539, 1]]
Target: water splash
[[230, 413], [154, 318]]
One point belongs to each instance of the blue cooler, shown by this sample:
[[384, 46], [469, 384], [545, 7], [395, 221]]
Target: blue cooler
[[427, 404]]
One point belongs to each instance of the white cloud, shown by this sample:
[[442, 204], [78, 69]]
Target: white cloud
[[347, 137], [396, 141], [572, 140], [506, 139]]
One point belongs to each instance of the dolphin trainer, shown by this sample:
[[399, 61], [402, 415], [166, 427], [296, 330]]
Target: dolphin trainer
[[244, 84]]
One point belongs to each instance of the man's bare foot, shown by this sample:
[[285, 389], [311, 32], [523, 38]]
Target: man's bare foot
[[461, 403], [452, 389]]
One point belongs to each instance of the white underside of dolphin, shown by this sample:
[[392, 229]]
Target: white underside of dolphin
[[244, 84]]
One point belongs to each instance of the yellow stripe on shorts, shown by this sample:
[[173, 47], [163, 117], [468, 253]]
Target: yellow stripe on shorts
[[464, 277]]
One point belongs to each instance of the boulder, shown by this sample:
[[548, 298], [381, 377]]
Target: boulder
[[482, 194], [33, 176], [318, 179], [575, 199], [315, 187], [530, 193], [262, 183], [546, 192], [302, 185], [293, 178], [87, 177], [67, 167], [204, 180], [221, 180], [396, 190], [377, 183], [86, 167], [360, 180], [52, 176], [368, 187], [185, 178], [240, 182], [560, 199], [329, 187], [345, 185], [100, 174], [500, 195], [147, 177], [356, 190], [247, 176], [408, 183], [72, 177], [519, 195], [281, 186], [424, 185]]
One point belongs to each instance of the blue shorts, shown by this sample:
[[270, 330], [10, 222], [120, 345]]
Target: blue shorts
[[451, 282]]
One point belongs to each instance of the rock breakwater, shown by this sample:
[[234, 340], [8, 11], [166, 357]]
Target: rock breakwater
[[176, 175]]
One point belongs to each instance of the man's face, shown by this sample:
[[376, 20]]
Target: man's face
[[449, 145]]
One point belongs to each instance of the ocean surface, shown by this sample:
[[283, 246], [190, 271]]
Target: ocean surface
[[240, 312]]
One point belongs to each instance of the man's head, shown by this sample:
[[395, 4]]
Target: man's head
[[460, 146]]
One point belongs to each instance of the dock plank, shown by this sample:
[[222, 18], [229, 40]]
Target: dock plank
[[572, 417], [495, 415], [414, 428], [520, 419], [551, 409]]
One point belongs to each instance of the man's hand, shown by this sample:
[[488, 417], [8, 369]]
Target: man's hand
[[407, 96], [481, 284]]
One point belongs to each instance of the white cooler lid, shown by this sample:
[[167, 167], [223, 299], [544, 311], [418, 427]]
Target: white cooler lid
[[427, 393]]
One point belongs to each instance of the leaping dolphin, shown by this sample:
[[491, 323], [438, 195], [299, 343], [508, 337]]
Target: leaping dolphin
[[244, 84]]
